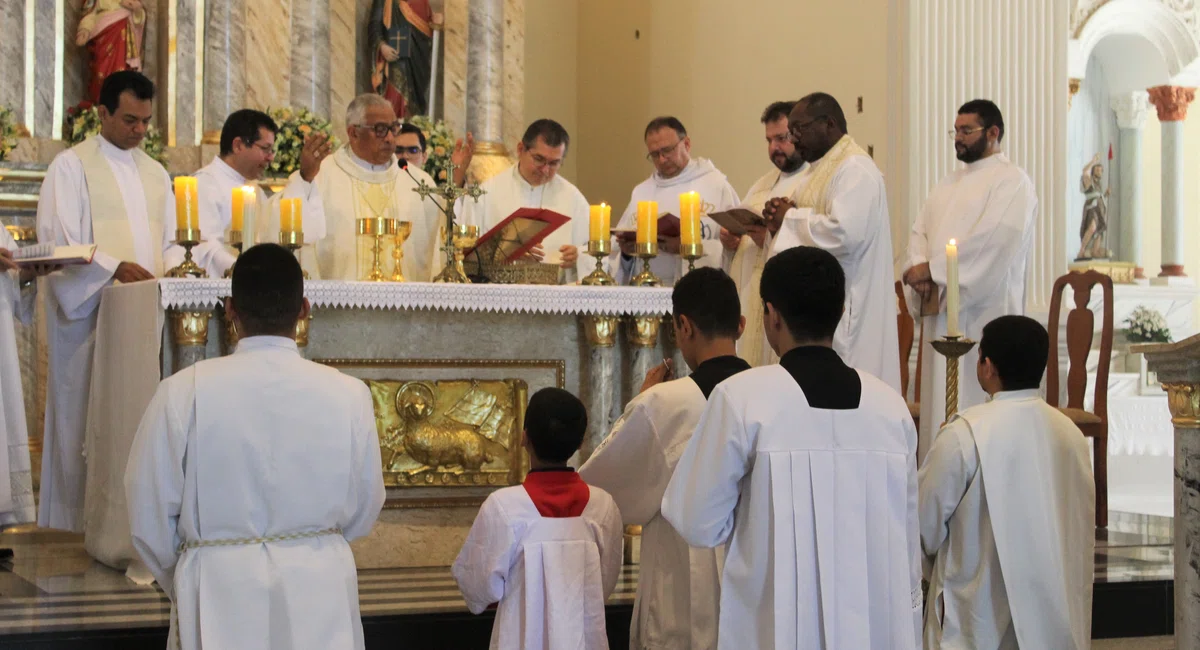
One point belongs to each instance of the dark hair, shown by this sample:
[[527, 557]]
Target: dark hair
[[245, 125], [777, 111], [268, 290], [121, 81], [988, 112], [1018, 346], [820, 105], [709, 299], [412, 128], [665, 122], [551, 132], [807, 286], [555, 422]]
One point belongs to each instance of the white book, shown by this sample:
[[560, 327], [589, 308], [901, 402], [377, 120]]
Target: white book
[[51, 254]]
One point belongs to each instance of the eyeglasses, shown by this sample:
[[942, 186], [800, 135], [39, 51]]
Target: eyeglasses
[[412, 151], [795, 130], [268, 149], [381, 130], [664, 152], [964, 133], [541, 161]]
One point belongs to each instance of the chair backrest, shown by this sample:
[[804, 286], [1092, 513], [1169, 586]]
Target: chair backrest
[[1081, 327], [904, 325]]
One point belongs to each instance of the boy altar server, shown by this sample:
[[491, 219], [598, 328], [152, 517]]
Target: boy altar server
[[549, 550], [1008, 510], [808, 470], [679, 587], [250, 474]]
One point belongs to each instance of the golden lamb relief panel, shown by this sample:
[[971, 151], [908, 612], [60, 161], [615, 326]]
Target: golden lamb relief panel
[[450, 432]]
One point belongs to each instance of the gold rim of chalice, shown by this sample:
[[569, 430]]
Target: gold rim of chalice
[[376, 226], [403, 229]]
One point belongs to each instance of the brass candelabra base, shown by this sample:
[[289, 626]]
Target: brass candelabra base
[[952, 347], [293, 241], [691, 253], [646, 277], [188, 239], [598, 249]]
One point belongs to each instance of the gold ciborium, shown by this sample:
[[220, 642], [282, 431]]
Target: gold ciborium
[[188, 238], [463, 237], [376, 230], [403, 230], [599, 249], [647, 251]]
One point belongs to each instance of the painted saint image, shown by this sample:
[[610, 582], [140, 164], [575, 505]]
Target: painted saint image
[[112, 30], [400, 37]]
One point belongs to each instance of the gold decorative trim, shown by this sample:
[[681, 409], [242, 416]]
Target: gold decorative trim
[[1073, 88], [302, 327], [22, 233], [601, 331], [1120, 272], [559, 366], [643, 331], [211, 137], [189, 328], [445, 502], [1184, 401], [490, 149]]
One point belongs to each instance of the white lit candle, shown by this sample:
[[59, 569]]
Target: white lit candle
[[952, 289], [249, 215]]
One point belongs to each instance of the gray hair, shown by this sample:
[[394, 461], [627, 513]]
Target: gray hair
[[357, 110]]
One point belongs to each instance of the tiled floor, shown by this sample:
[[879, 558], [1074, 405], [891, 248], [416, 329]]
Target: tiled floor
[[51, 586]]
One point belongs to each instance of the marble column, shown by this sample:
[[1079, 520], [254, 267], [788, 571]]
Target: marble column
[[224, 65], [485, 86], [310, 56], [643, 334], [1172, 104], [16, 79], [1132, 110], [180, 74], [1178, 368], [601, 334]]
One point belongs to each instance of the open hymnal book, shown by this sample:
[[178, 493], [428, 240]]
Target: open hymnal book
[[57, 255], [737, 219]]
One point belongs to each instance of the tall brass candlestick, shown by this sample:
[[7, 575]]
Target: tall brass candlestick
[[691, 253], [952, 347], [599, 249], [293, 240], [234, 239], [188, 238], [647, 251]]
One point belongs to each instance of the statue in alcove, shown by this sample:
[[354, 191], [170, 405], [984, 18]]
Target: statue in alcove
[[112, 30], [400, 37], [1093, 229]]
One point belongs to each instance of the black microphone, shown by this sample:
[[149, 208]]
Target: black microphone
[[402, 162]]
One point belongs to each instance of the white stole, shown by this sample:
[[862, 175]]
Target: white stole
[[111, 231]]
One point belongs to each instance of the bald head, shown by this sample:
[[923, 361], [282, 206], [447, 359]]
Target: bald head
[[816, 124]]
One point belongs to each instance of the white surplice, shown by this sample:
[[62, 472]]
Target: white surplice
[[819, 509], [745, 266], [679, 586], [215, 184], [857, 231], [265, 448], [508, 191], [124, 229], [549, 575], [350, 189], [1007, 505], [716, 195], [990, 208], [16, 480]]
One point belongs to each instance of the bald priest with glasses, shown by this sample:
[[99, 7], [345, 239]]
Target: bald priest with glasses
[[362, 181]]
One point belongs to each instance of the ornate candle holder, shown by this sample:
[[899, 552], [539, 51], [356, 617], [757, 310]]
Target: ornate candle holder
[[691, 253], [449, 194], [188, 238], [461, 238], [293, 240], [599, 249], [234, 239], [403, 230], [952, 347], [646, 278], [377, 228]]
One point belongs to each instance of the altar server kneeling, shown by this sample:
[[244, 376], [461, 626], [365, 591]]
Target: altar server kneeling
[[548, 551], [808, 469], [1008, 510], [250, 474], [679, 588]]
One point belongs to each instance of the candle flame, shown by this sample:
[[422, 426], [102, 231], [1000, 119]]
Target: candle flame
[[953, 242]]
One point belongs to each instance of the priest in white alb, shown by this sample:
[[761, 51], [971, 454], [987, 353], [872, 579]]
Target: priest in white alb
[[807, 470], [745, 256], [534, 182], [247, 149], [669, 149], [104, 191], [679, 587], [1007, 503], [17, 292], [250, 474], [989, 208], [841, 206], [362, 181]]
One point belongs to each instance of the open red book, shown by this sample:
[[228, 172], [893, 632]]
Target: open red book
[[515, 236]]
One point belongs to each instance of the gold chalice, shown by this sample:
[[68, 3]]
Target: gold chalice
[[403, 230], [376, 229]]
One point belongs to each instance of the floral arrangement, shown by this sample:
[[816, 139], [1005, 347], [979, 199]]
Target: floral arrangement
[[83, 121], [8, 132], [439, 143], [294, 125], [1147, 326]]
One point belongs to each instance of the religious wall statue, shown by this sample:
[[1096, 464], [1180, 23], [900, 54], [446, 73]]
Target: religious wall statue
[[400, 37], [1094, 227], [112, 31]]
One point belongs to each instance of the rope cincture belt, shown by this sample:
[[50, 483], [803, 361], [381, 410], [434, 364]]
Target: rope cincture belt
[[252, 541]]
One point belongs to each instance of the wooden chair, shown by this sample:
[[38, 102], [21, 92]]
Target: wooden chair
[[906, 328], [1081, 326]]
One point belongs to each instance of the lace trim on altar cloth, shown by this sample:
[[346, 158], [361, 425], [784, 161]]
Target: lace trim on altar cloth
[[535, 299]]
